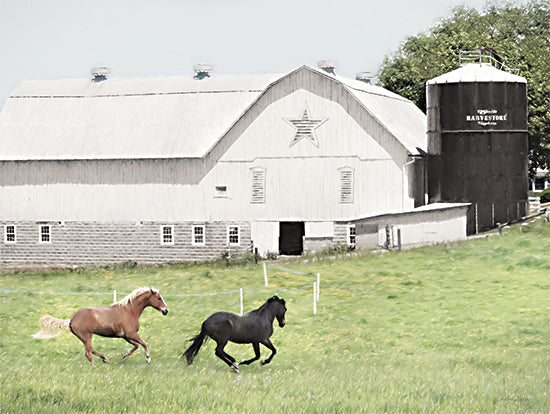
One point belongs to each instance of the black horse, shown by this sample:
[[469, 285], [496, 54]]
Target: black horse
[[251, 328]]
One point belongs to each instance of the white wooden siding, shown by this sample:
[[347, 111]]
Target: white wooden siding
[[302, 182]]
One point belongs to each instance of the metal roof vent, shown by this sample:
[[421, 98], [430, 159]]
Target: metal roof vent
[[202, 70], [100, 73], [327, 65], [364, 77]]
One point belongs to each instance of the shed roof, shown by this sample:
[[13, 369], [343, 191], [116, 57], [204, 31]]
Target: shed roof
[[159, 117]]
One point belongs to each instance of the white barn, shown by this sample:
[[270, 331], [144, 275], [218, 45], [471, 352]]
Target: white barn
[[185, 168]]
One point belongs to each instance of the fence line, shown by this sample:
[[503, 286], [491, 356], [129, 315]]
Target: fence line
[[165, 295], [241, 291], [291, 271]]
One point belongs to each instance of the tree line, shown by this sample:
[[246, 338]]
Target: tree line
[[519, 32]]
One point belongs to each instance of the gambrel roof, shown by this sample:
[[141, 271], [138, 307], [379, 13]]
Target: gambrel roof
[[172, 116]]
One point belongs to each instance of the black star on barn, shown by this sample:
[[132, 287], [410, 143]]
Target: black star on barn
[[305, 127]]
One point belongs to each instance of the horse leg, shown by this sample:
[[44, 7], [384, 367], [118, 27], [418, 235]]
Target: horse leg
[[136, 339], [225, 357], [86, 339], [256, 347], [99, 354], [131, 351], [269, 345]]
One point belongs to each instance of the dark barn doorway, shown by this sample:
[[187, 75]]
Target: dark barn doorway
[[291, 238]]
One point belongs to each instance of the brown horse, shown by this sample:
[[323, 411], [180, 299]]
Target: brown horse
[[120, 320]]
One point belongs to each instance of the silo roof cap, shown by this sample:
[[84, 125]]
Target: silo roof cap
[[477, 72]]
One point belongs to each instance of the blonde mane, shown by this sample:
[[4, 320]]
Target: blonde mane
[[129, 300]]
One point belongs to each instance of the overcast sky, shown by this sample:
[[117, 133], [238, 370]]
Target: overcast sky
[[57, 39]]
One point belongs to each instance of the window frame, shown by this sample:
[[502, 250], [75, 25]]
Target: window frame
[[41, 234], [229, 235], [194, 241], [163, 241], [220, 191], [351, 235], [6, 234]]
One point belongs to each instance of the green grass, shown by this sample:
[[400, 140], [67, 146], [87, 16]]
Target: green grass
[[457, 328]]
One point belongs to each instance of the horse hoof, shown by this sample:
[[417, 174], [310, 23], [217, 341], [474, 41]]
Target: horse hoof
[[235, 367], [149, 361], [262, 362], [105, 360]]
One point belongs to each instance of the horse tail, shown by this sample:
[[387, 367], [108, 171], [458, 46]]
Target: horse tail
[[193, 350], [50, 327]]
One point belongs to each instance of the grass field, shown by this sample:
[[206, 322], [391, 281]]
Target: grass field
[[444, 329]]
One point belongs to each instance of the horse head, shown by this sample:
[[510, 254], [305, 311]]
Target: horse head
[[281, 310], [156, 301]]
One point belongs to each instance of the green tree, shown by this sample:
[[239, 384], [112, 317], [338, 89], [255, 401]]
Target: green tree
[[519, 33]]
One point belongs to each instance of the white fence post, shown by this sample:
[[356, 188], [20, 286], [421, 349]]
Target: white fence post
[[318, 285], [314, 298], [265, 274], [241, 300]]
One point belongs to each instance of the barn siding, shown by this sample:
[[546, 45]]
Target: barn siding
[[102, 243], [435, 223], [107, 172], [318, 243], [302, 181], [100, 200]]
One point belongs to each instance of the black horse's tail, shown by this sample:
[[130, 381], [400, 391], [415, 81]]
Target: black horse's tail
[[193, 350]]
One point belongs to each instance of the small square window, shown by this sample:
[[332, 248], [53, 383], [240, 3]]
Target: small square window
[[45, 235], [233, 238], [9, 234], [167, 235], [221, 191], [199, 236]]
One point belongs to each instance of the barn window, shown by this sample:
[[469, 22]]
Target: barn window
[[9, 234], [233, 236], [45, 234], [221, 191], [258, 185], [199, 236], [351, 236], [346, 185], [167, 235]]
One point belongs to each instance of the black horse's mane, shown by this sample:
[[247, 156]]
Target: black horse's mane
[[269, 301]]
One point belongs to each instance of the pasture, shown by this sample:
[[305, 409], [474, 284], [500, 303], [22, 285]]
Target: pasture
[[457, 328]]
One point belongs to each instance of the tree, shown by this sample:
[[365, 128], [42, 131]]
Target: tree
[[520, 34]]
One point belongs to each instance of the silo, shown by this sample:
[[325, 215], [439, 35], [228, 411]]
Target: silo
[[478, 142]]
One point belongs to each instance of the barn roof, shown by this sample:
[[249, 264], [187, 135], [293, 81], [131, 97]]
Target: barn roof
[[160, 117], [403, 119]]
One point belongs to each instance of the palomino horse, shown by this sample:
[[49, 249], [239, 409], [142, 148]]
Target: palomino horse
[[120, 320], [254, 327]]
